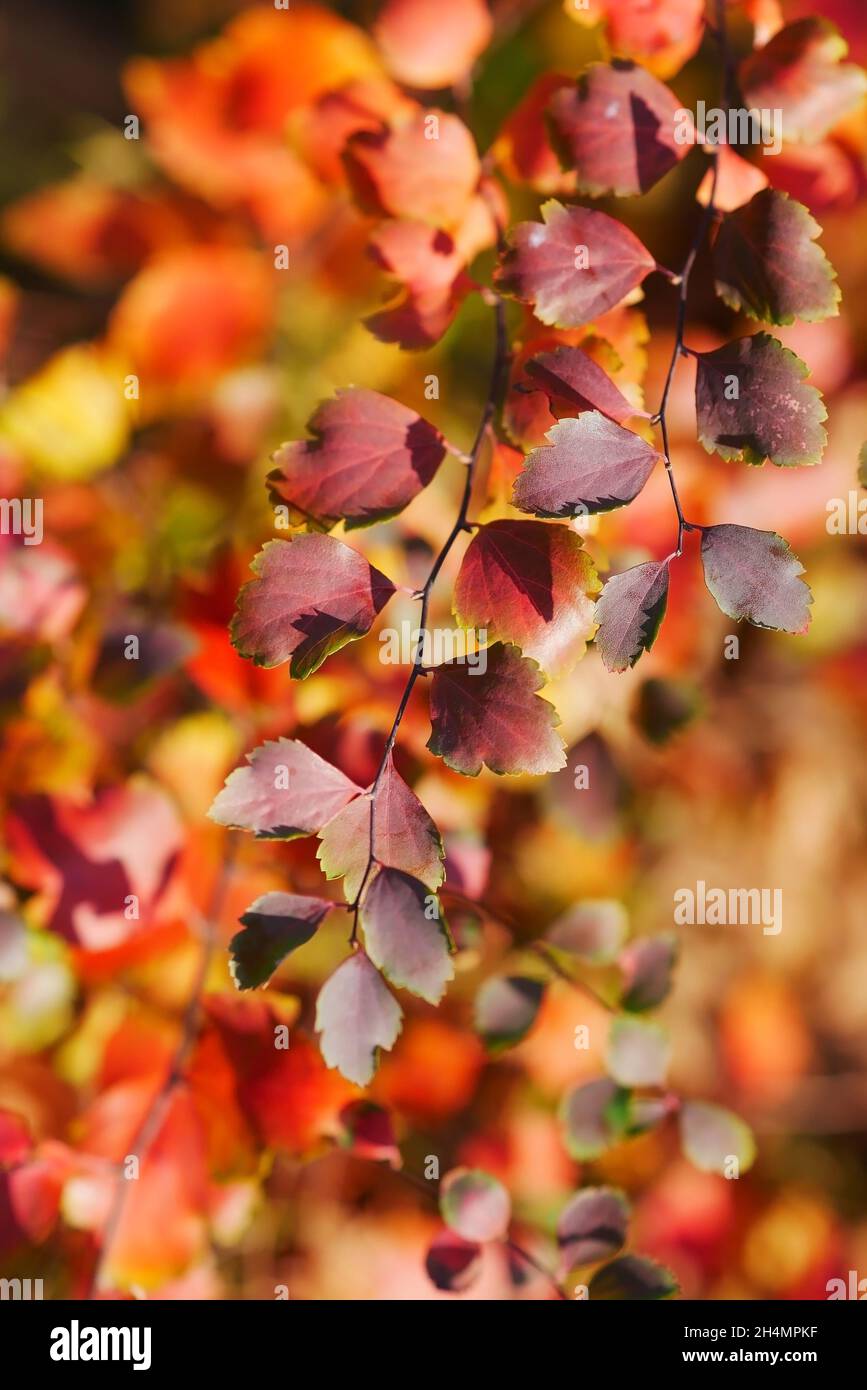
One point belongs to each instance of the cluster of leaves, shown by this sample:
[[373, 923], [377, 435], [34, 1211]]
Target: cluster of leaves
[[407, 179]]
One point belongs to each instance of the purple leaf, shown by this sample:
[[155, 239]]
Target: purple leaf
[[356, 1014], [629, 613], [573, 266], [405, 837], [592, 1227], [505, 1010], [574, 382], [767, 263], [453, 1264], [590, 465], [405, 934], [754, 575], [369, 457], [617, 129], [751, 403], [286, 791], [310, 597], [495, 717]]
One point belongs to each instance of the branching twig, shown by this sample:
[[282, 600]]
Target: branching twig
[[501, 355], [682, 281]]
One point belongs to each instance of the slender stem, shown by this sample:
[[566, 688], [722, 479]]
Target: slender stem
[[539, 948], [498, 369], [682, 281], [153, 1119]]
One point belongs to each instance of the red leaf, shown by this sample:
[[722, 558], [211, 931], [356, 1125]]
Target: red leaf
[[617, 128], [432, 43], [493, 717], [286, 791], [420, 256], [287, 1093], [754, 575], [522, 147], [89, 860], [453, 1264], [405, 934], [419, 318], [356, 1014], [426, 168], [751, 403], [799, 74], [369, 457], [529, 584], [662, 33], [572, 379], [629, 613], [591, 465], [368, 1132], [310, 597], [405, 837], [767, 264], [573, 266]]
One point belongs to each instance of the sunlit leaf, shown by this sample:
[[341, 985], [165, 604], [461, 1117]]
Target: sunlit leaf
[[493, 717]]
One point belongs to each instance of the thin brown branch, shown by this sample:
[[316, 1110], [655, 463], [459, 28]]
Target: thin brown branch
[[498, 369], [682, 282]]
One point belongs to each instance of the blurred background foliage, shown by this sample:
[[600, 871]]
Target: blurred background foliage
[[155, 257]]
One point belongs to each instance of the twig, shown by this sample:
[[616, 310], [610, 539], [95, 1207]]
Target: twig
[[682, 281], [153, 1119], [498, 369]]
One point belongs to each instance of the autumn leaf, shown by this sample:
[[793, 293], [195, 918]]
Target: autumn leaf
[[452, 1264], [274, 925], [572, 379], [592, 1227], [663, 34], [767, 264], [572, 266], [432, 43], [592, 931], [523, 147], [646, 967], [751, 403], [754, 575], [286, 790], [629, 613], [593, 1118], [405, 837], [426, 168], [474, 1205], [405, 934], [369, 457], [310, 597], [506, 1008], [493, 717], [632, 1278], [712, 1137], [531, 585], [356, 1015], [638, 1052], [618, 128], [799, 74], [589, 465]]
